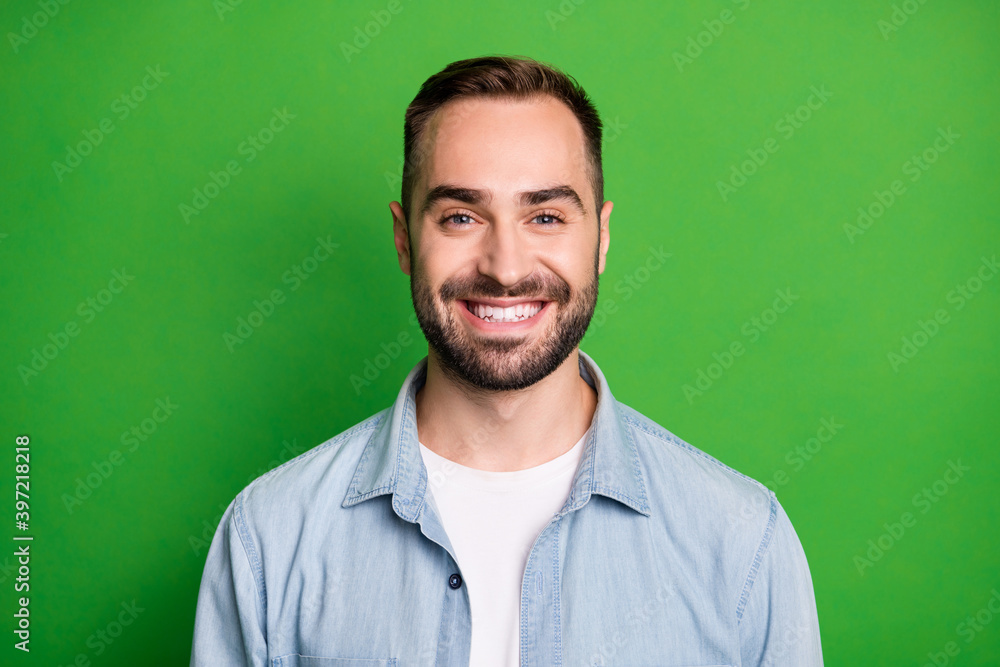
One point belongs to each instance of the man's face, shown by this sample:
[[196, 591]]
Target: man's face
[[503, 215]]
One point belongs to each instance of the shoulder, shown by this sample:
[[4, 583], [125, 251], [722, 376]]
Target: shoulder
[[664, 446], [720, 515], [309, 482], [682, 477]]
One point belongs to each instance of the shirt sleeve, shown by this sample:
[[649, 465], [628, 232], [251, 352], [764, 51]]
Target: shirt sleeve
[[778, 622], [229, 621]]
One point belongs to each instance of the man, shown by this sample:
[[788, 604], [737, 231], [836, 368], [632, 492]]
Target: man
[[506, 509]]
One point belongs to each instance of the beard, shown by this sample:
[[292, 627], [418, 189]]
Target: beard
[[502, 362]]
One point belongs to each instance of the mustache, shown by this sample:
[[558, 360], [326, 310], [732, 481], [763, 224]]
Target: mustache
[[471, 288]]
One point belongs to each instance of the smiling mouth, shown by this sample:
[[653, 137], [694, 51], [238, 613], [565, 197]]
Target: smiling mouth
[[514, 313]]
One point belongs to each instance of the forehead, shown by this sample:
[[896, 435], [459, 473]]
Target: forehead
[[504, 145]]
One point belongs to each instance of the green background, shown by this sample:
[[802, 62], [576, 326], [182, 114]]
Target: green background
[[675, 129]]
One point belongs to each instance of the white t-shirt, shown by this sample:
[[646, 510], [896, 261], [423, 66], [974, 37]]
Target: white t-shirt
[[492, 520]]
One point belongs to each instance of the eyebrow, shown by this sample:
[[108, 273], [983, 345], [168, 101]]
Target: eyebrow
[[526, 198]]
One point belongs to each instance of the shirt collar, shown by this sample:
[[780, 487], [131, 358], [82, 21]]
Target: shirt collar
[[391, 461]]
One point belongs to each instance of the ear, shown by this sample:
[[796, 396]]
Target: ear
[[399, 236], [605, 233]]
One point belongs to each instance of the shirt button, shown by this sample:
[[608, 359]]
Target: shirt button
[[455, 580]]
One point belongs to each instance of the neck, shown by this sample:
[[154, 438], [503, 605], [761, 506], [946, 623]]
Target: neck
[[509, 430]]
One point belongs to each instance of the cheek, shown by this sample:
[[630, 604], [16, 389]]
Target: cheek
[[446, 259], [575, 262]]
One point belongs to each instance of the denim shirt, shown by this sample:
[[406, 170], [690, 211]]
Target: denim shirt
[[661, 555]]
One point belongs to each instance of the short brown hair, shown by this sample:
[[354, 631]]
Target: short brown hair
[[498, 77]]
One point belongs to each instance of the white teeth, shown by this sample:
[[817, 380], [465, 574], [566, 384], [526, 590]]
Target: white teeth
[[516, 313]]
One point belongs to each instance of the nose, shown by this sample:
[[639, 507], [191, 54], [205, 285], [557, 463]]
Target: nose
[[505, 255]]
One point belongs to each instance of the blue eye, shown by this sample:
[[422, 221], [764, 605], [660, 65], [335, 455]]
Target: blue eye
[[549, 219], [458, 215], [464, 219]]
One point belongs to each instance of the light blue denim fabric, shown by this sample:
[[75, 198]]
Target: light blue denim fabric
[[661, 555]]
